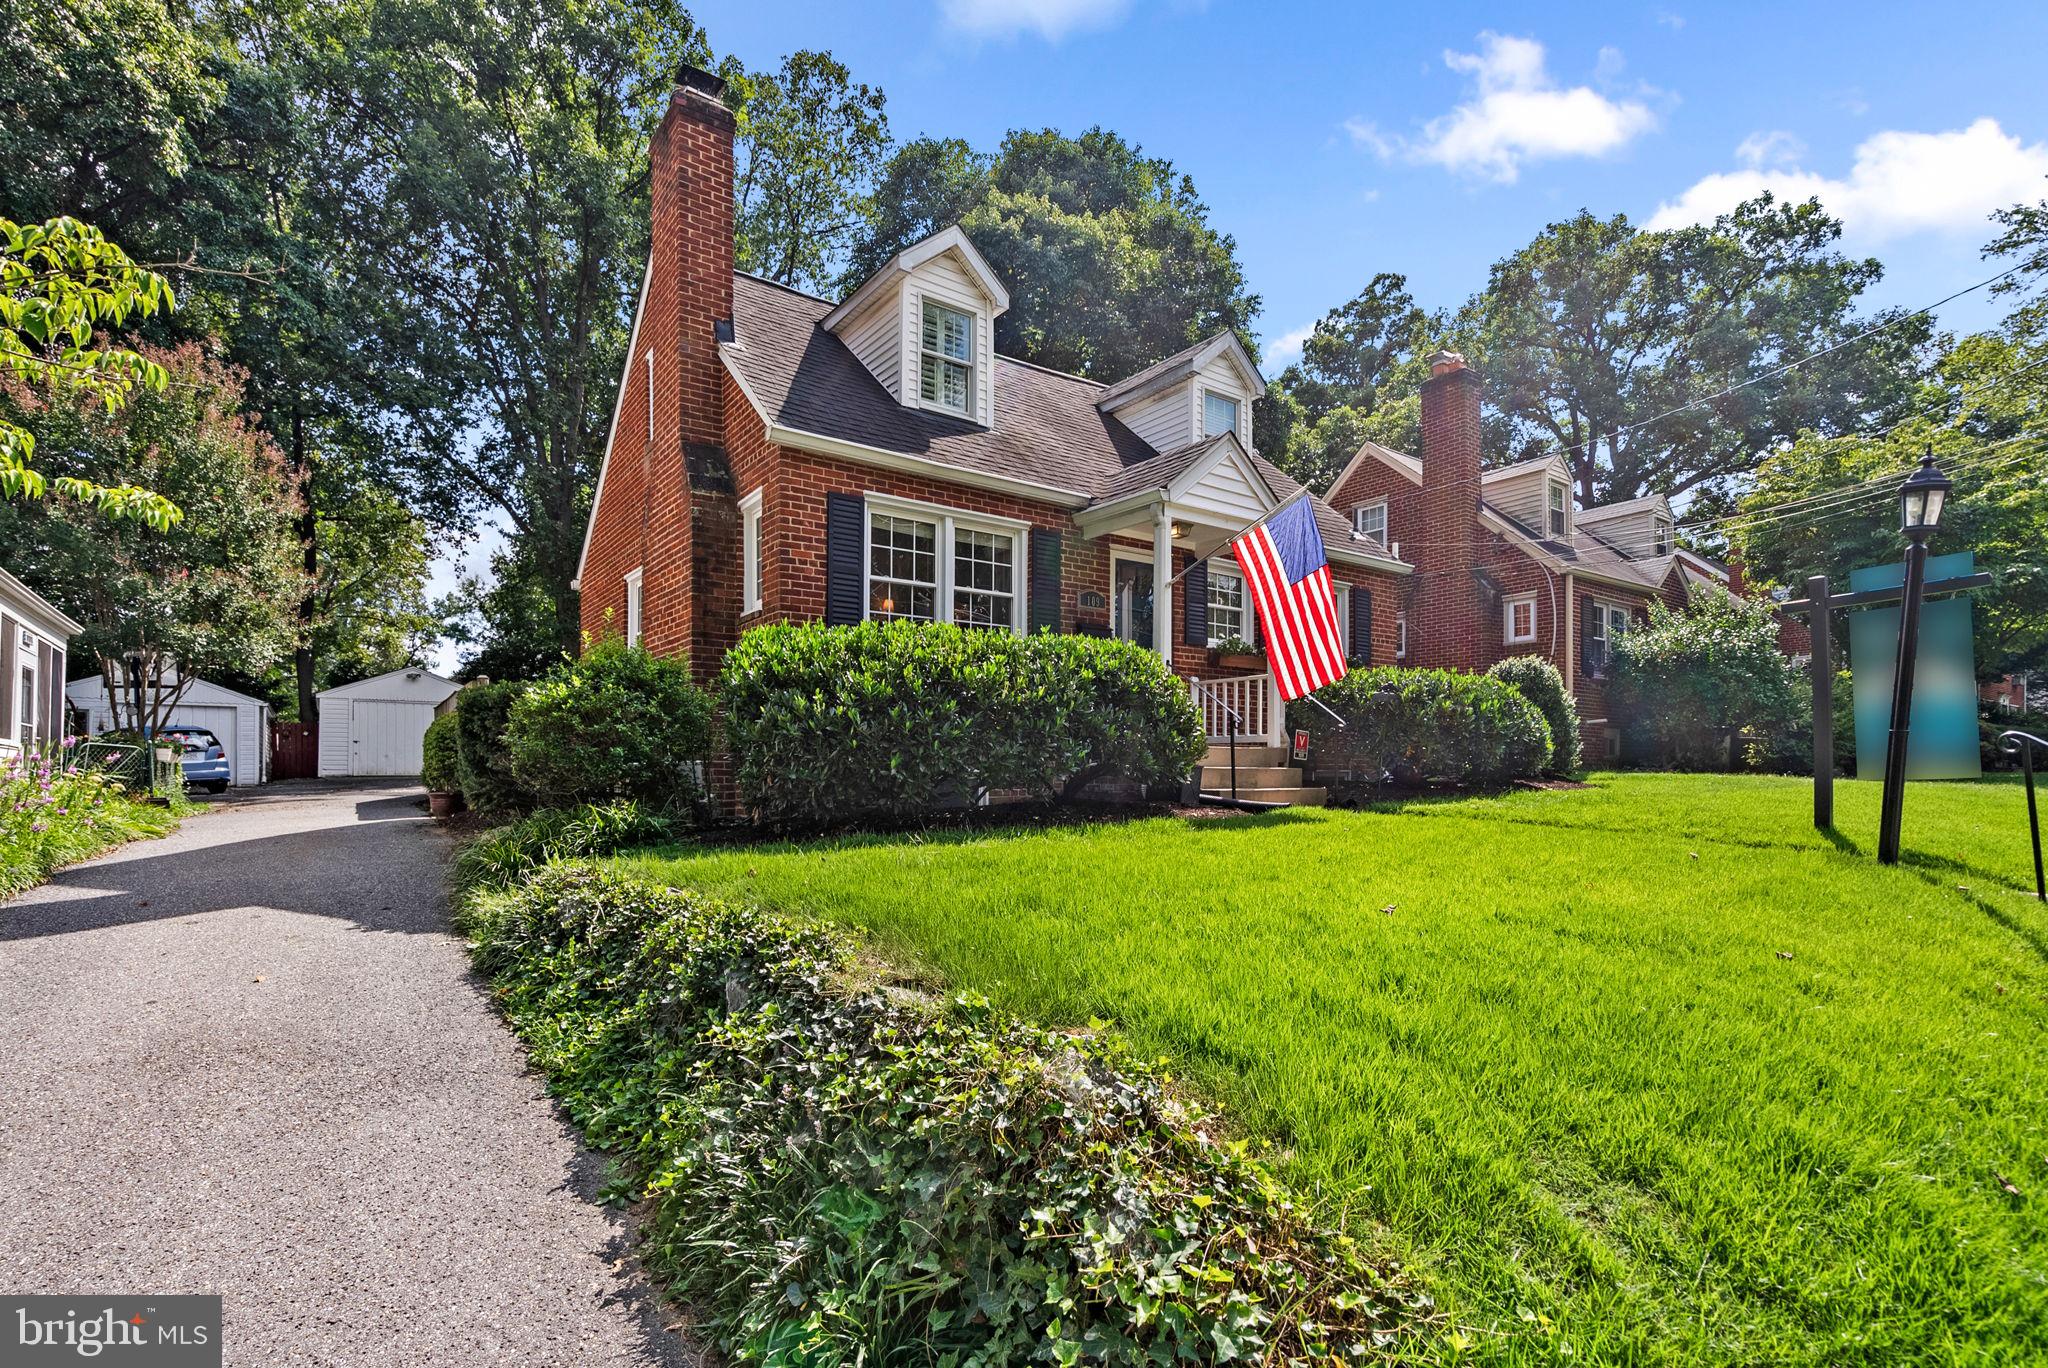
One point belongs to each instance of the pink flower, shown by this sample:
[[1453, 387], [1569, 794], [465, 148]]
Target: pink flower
[[35, 826]]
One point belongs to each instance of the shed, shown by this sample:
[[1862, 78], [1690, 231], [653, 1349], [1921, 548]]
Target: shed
[[242, 723], [34, 637], [378, 726]]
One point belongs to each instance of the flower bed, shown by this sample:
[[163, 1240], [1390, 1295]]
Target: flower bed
[[54, 812]]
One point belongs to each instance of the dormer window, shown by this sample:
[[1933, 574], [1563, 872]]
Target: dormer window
[[1219, 414], [1560, 511], [1660, 537], [946, 369]]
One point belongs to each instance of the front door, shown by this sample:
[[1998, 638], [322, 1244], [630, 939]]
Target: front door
[[1134, 601]]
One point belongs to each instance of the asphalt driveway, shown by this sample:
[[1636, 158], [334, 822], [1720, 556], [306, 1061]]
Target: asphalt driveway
[[249, 1059]]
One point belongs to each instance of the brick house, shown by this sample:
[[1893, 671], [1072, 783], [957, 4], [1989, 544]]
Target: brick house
[[778, 457], [1504, 562]]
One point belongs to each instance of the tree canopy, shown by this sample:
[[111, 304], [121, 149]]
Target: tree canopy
[[810, 142]]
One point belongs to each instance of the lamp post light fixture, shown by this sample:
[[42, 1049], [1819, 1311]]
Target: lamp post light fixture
[[1921, 500]]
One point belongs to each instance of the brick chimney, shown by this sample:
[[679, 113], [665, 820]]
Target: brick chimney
[[1448, 612]]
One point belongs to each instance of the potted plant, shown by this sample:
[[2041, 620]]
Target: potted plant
[[1235, 653], [437, 767]]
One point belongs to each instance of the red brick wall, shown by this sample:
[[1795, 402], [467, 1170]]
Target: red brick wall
[[646, 515], [1445, 627]]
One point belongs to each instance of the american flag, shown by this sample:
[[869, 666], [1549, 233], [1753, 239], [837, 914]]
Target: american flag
[[1289, 575]]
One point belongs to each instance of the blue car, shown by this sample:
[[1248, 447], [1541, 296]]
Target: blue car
[[205, 759]]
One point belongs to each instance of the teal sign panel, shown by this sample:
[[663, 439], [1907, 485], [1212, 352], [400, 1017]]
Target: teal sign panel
[[1943, 743]]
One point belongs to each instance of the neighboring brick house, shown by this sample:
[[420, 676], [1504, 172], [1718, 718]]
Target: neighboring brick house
[[1504, 561], [777, 457]]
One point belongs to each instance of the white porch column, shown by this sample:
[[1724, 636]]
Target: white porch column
[[1162, 582]]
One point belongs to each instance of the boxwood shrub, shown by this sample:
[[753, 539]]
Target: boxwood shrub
[[1540, 683], [830, 725], [482, 767], [1422, 725], [437, 754], [616, 722], [839, 1173]]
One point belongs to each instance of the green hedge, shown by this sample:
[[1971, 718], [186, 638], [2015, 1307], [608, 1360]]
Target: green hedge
[[1690, 687], [1423, 725], [482, 767], [1539, 682], [438, 769], [616, 722], [830, 725], [837, 1174]]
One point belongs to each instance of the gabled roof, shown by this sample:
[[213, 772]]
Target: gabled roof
[[1640, 504], [1178, 367], [954, 240]]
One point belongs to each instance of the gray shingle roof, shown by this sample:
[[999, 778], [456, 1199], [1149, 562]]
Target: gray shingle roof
[[1047, 429]]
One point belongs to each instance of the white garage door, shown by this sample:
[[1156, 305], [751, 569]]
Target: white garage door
[[385, 737], [218, 720]]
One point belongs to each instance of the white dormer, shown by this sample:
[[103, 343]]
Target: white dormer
[[924, 326], [1204, 391], [1641, 528], [1536, 493]]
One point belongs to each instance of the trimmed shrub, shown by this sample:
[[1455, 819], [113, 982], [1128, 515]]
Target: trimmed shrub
[[616, 722], [841, 1174], [437, 754], [1689, 688], [832, 725], [1421, 725], [482, 766], [1539, 682]]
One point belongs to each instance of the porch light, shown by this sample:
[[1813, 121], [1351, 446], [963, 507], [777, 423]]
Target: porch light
[[1921, 499], [1179, 530]]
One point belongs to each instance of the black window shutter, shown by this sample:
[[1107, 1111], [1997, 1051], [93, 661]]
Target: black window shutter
[[1194, 622], [845, 532], [1045, 580], [1361, 624], [1589, 650]]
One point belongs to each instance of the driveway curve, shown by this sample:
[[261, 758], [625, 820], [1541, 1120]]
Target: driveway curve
[[249, 1059]]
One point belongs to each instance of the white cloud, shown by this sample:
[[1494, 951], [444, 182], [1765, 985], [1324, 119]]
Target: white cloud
[[1517, 114], [1284, 350], [1051, 20], [1901, 182]]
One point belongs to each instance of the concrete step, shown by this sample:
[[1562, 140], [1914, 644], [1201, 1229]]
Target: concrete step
[[1216, 777], [1295, 796], [1247, 754]]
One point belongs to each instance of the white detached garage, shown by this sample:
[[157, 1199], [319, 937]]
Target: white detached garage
[[376, 726], [241, 723]]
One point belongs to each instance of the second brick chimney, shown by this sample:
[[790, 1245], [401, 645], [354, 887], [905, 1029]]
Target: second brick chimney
[[1446, 600]]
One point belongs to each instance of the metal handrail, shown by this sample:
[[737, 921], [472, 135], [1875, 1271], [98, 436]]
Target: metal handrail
[[1236, 722], [2022, 744]]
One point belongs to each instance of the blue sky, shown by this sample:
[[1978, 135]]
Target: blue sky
[[1336, 141]]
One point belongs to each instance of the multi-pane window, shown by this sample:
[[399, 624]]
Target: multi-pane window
[[1521, 621], [1559, 524], [1229, 618], [1660, 537], [984, 578], [1219, 414], [1610, 622], [633, 607], [1371, 521], [946, 376], [903, 569], [1400, 638]]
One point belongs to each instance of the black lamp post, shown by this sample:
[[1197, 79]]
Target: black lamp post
[[1920, 504]]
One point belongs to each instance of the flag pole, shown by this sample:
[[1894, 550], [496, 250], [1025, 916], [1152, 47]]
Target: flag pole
[[1204, 560]]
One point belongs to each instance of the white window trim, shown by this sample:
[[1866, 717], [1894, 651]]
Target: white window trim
[[947, 519], [1202, 393], [633, 606], [1342, 594], [972, 413], [750, 553], [650, 395], [1357, 520], [1401, 637], [1230, 569], [1604, 611], [1508, 620], [1564, 508], [1661, 540]]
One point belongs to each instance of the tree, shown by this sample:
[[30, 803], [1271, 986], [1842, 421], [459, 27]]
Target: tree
[[1687, 684], [1598, 334], [60, 282], [216, 591], [810, 143], [1312, 420], [1107, 253], [1827, 505], [484, 188]]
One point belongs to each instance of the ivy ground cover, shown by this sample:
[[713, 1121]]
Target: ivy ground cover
[[1650, 1072]]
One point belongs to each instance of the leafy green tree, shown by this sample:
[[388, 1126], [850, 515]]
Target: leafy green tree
[[1827, 505], [1108, 254], [811, 141], [1688, 684], [215, 591], [60, 282]]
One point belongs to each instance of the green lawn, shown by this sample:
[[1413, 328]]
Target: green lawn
[[1651, 1072]]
